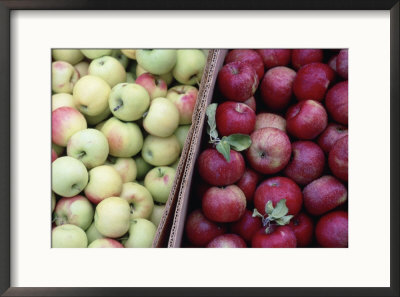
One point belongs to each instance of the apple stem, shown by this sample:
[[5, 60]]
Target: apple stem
[[120, 103], [80, 155]]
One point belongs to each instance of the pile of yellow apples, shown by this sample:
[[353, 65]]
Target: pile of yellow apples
[[120, 118]]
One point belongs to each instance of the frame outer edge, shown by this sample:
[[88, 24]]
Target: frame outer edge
[[394, 148], [5, 148]]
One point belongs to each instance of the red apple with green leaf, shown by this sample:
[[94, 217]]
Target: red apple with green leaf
[[276, 188]]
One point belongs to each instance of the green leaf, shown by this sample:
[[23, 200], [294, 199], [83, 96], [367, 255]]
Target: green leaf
[[224, 148], [239, 142], [280, 210], [268, 230], [269, 208], [256, 213], [210, 112], [284, 220]]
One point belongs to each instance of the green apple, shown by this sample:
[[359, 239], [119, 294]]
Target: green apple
[[109, 69], [142, 167], [184, 98], [161, 151], [68, 176], [62, 99], [141, 234], [117, 54], [76, 210], [53, 201], [126, 167], [130, 78], [128, 102], [96, 53], [157, 61], [155, 86], [94, 120], [65, 122], [63, 77], [130, 53], [104, 182], [91, 95], [205, 52], [71, 56], [68, 236], [105, 243], [175, 164], [156, 215], [159, 182], [89, 146], [82, 68], [92, 233], [124, 139], [139, 199], [139, 70], [181, 133], [162, 119], [112, 217], [189, 66]]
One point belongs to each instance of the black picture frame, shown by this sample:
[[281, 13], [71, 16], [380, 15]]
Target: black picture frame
[[6, 7]]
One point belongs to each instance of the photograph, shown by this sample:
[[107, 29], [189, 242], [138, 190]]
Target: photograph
[[271, 148]]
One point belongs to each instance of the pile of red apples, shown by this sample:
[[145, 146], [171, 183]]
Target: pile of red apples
[[288, 187]]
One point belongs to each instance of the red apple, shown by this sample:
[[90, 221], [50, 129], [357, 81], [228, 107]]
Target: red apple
[[323, 195], [234, 117], [332, 230], [275, 57], [247, 226], [270, 150], [307, 163], [224, 205], [342, 63], [227, 241], [248, 183], [237, 81], [251, 102], [248, 56], [276, 87], [266, 119], [200, 230], [336, 102], [301, 57], [312, 81], [217, 171], [332, 62], [53, 155], [338, 158], [306, 120], [281, 237], [276, 188], [332, 133], [303, 227], [66, 121]]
